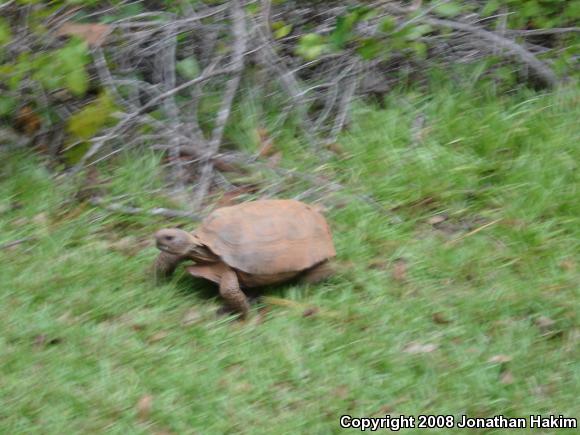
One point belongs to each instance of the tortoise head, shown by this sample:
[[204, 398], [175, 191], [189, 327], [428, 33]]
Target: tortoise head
[[175, 241], [178, 242]]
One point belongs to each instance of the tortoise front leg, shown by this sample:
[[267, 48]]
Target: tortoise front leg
[[234, 297], [165, 265]]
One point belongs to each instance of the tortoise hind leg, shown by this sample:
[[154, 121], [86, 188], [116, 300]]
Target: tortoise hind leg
[[234, 297], [318, 273]]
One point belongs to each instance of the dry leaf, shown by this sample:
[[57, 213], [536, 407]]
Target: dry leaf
[[223, 165], [262, 315], [336, 148], [499, 359], [191, 316], [242, 387], [94, 34], [506, 377], [400, 269], [267, 147], [378, 264], [414, 348], [230, 197], [144, 406], [568, 265], [42, 340], [28, 121], [440, 318], [40, 219], [20, 222], [275, 160], [309, 312], [91, 185], [546, 325], [341, 391], [266, 143], [437, 219], [572, 340], [158, 336], [126, 245]]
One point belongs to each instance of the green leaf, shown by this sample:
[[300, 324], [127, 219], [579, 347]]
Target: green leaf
[[490, 7], [370, 48], [343, 30], [415, 32], [449, 10], [572, 11], [505, 74], [388, 24], [120, 12], [64, 67], [311, 46], [74, 154], [531, 9], [91, 118], [281, 29], [188, 68], [420, 49], [5, 33], [7, 105], [77, 81], [253, 8], [362, 12]]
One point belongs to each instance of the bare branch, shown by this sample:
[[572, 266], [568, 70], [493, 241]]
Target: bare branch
[[238, 52], [124, 209], [166, 60], [344, 104], [98, 142], [535, 32], [541, 70], [286, 77]]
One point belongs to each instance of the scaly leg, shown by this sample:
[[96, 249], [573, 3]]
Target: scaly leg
[[234, 297]]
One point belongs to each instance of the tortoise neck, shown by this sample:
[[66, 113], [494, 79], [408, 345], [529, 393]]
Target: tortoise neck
[[201, 254]]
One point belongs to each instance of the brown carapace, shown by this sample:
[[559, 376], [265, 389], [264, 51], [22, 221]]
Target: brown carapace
[[251, 245]]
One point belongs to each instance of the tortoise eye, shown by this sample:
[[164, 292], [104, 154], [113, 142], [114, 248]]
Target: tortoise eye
[[168, 238]]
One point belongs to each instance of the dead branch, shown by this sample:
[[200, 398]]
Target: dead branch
[[537, 32], [541, 70], [98, 142], [332, 96], [237, 65], [344, 104], [270, 59], [160, 211], [11, 139], [166, 61]]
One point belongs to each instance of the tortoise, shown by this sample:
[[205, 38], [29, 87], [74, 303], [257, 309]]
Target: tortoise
[[252, 244]]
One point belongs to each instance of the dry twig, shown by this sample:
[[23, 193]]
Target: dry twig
[[17, 242], [160, 211]]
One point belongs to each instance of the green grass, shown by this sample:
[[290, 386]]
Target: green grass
[[84, 334]]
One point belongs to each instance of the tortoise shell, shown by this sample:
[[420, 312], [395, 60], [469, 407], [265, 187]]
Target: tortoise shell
[[268, 236]]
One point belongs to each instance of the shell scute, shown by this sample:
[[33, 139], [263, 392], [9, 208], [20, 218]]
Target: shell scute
[[268, 236]]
